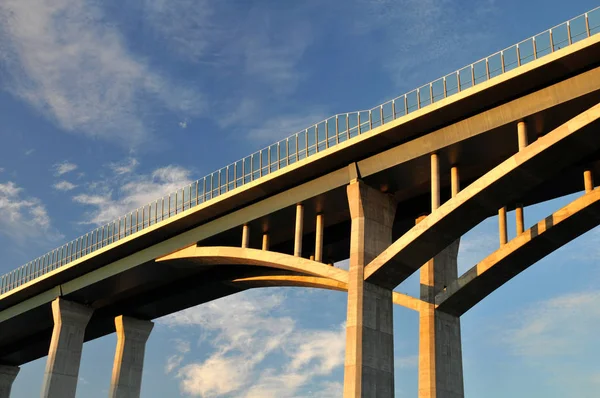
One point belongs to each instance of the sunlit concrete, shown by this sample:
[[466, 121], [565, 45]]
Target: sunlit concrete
[[64, 355], [369, 362], [506, 182], [521, 252], [132, 334]]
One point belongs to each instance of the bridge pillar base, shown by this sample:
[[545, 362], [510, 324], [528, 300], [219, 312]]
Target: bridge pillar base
[[132, 335], [64, 355], [8, 374], [440, 349], [369, 363]]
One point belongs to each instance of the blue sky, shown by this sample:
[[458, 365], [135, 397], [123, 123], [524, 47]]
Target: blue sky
[[106, 106]]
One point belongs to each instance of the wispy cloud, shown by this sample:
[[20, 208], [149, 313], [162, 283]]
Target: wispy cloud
[[64, 186], [64, 168], [114, 197], [23, 217], [558, 327], [64, 59], [426, 34], [246, 329], [124, 167]]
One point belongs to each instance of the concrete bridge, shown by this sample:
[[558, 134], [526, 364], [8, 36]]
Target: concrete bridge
[[393, 189]]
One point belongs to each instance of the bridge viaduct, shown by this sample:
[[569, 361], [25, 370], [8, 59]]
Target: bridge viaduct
[[393, 198]]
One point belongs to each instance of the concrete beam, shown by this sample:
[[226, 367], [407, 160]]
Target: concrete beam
[[8, 374], [400, 299], [554, 231], [64, 355], [223, 255], [132, 335], [508, 181], [369, 363]]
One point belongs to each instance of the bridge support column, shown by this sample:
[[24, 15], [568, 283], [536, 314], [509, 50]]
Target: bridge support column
[[62, 366], [8, 374], [132, 335], [369, 363], [440, 349]]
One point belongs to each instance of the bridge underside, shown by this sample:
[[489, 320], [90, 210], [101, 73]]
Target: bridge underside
[[136, 285]]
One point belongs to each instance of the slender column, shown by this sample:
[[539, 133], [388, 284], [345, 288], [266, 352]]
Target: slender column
[[520, 219], [502, 226], [265, 242], [454, 181], [8, 375], [440, 347], [369, 363], [64, 355], [319, 238], [523, 142], [588, 180], [435, 181], [132, 335], [298, 234], [245, 236]]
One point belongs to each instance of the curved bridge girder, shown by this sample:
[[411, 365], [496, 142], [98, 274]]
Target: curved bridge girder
[[224, 255], [554, 231], [503, 184], [316, 275], [400, 299]]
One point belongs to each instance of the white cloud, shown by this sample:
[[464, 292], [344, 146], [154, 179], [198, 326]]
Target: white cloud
[[29, 152], [245, 330], [124, 167], [65, 60], [174, 361], [113, 198], [183, 124], [23, 217], [561, 326], [64, 168], [64, 186]]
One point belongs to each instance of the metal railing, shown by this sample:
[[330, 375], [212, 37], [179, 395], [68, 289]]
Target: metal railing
[[325, 134]]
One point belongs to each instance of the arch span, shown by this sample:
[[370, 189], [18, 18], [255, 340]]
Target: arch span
[[526, 249], [507, 182]]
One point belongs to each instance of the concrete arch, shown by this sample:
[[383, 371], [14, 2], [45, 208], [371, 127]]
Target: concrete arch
[[526, 249], [224, 255], [505, 183], [400, 299]]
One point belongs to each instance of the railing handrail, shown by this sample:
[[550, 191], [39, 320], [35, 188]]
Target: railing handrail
[[86, 244]]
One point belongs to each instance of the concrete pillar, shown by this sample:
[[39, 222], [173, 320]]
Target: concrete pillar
[[522, 133], [265, 242], [369, 363], [454, 181], [298, 232], [588, 180], [8, 375], [435, 181], [523, 142], [440, 347], [64, 355], [502, 226], [319, 238], [520, 221], [245, 236], [132, 335]]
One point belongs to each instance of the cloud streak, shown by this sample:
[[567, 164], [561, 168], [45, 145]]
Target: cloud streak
[[63, 59], [245, 331]]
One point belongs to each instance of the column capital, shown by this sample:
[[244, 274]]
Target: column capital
[[368, 202], [133, 328], [68, 312]]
